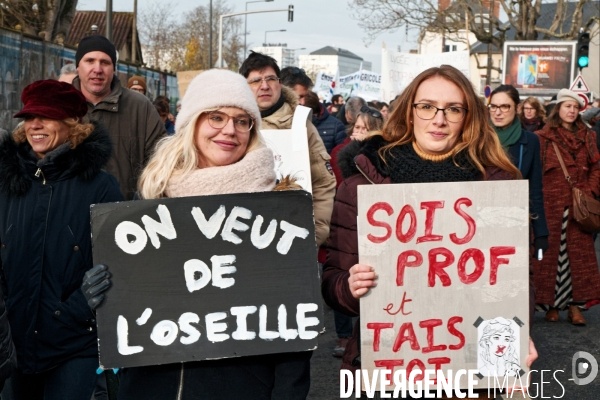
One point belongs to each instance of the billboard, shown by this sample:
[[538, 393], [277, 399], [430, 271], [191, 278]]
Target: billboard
[[538, 67]]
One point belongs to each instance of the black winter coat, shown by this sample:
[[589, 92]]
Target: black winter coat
[[8, 354], [331, 130], [45, 243], [525, 155]]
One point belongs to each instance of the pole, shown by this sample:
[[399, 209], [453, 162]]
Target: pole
[[221, 41], [245, 32], [488, 75], [109, 20], [210, 40], [134, 34]]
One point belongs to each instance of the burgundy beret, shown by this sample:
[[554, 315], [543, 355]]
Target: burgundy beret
[[52, 99]]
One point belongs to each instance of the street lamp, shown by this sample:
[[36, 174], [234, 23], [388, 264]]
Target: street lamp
[[278, 30], [246, 22]]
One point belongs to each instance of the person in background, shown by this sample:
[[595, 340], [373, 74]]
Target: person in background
[[195, 163], [591, 113], [350, 110], [383, 108], [331, 130], [51, 171], [567, 277], [277, 104], [337, 101], [550, 105], [163, 112], [130, 118], [67, 73], [533, 115], [138, 84], [467, 149], [296, 79]]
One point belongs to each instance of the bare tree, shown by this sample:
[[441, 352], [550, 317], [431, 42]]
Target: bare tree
[[378, 16], [49, 19], [185, 46]]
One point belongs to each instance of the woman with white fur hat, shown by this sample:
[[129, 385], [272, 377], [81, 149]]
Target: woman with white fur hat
[[568, 275], [216, 149]]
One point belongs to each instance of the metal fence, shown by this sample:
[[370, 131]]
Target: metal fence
[[25, 59]]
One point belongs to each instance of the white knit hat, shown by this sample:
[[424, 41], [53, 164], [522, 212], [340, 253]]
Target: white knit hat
[[217, 88], [566, 94]]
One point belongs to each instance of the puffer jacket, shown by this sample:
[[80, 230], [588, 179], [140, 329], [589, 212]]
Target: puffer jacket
[[331, 130], [323, 181], [360, 165], [45, 246]]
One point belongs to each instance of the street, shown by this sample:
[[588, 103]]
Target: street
[[556, 343]]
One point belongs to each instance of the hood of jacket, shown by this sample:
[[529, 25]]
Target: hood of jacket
[[361, 157], [18, 162]]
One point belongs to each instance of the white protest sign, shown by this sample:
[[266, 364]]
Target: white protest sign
[[325, 86], [290, 149], [399, 69], [365, 84], [452, 293]]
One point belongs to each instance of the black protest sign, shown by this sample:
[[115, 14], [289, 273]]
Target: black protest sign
[[207, 277]]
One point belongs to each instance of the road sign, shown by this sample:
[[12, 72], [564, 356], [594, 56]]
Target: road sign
[[487, 91], [579, 85], [585, 100]]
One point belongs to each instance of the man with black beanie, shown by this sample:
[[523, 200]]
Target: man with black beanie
[[131, 119]]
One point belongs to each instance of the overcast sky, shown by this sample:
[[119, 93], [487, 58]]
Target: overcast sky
[[317, 23]]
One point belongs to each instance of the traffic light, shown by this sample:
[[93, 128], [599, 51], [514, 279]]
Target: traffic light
[[583, 50], [291, 14]]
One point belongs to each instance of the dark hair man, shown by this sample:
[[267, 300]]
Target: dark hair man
[[277, 104], [296, 79], [337, 101], [131, 119]]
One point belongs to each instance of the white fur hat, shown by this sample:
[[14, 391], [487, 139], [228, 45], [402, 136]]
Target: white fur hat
[[566, 94], [217, 88]]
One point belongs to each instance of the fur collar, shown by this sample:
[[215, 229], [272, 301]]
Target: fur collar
[[290, 97], [18, 163]]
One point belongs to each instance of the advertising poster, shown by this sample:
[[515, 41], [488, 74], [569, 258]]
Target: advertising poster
[[540, 67]]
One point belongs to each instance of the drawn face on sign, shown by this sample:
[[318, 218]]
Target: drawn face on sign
[[437, 135], [222, 146], [500, 342], [498, 354]]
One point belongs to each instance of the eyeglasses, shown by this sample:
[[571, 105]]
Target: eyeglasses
[[219, 120], [372, 112], [528, 109], [452, 114], [503, 107], [271, 80], [138, 90]]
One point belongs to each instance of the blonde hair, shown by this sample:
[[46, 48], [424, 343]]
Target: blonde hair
[[478, 137], [177, 155], [78, 132]]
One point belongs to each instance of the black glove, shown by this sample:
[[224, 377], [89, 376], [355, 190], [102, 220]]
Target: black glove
[[540, 243], [95, 282]]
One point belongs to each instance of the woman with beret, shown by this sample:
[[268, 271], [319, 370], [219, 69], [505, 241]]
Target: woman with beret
[[216, 149], [50, 174], [567, 277], [439, 131]]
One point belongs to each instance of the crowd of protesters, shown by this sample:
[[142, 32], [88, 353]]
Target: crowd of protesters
[[85, 139]]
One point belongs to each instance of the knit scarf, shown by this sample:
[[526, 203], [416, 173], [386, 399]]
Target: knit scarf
[[270, 111], [572, 140], [510, 134], [406, 166], [253, 173]]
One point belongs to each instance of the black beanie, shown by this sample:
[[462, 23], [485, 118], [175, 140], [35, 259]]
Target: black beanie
[[96, 43]]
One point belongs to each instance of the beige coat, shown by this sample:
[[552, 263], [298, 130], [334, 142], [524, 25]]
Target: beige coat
[[323, 181]]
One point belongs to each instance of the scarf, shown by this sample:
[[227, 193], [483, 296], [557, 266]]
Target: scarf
[[406, 166], [571, 141], [510, 134], [253, 173], [532, 124], [270, 111]]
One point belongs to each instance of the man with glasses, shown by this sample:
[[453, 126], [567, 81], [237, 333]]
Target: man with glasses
[[137, 83], [277, 104]]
